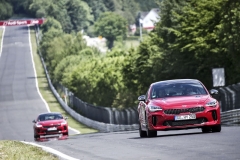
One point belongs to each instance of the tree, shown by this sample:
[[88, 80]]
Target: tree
[[73, 15], [6, 10], [192, 38], [147, 5], [80, 14], [97, 7], [51, 23], [20, 6], [128, 9], [229, 38], [111, 26]]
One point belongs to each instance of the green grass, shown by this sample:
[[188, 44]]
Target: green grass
[[131, 43], [47, 93], [14, 150]]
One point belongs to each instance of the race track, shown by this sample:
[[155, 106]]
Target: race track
[[168, 145], [19, 99], [20, 102]]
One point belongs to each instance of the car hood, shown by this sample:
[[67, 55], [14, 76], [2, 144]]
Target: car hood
[[185, 101], [51, 122]]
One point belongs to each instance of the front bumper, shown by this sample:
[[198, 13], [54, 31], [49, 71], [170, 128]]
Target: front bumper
[[43, 131], [161, 121]]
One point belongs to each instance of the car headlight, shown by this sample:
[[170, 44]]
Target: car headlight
[[155, 108], [212, 103], [64, 123], [38, 125]]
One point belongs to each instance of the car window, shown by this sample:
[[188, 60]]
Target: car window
[[163, 90], [147, 97], [47, 117]]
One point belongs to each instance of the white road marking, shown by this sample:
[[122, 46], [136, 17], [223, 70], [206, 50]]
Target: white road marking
[[2, 41], [35, 74], [51, 150]]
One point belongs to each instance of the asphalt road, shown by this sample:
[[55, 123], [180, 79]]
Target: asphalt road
[[20, 103], [168, 145]]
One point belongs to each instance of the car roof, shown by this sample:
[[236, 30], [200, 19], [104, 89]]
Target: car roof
[[177, 81]]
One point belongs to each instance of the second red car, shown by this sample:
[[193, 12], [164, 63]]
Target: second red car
[[50, 124]]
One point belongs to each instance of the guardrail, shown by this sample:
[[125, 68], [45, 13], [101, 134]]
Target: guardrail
[[231, 117]]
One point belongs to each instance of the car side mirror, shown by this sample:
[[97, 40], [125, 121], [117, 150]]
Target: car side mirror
[[213, 91], [142, 98], [34, 121]]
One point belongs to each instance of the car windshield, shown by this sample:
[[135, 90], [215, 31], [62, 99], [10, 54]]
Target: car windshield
[[46, 117], [162, 90]]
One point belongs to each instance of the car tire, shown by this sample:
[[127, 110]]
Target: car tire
[[36, 136], [150, 133], [216, 128], [142, 133], [206, 129]]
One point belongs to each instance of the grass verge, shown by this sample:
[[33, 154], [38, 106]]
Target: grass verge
[[46, 92], [15, 150]]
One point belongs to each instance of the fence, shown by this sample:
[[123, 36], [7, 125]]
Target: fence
[[97, 113], [229, 97]]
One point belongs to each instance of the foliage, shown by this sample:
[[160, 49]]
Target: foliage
[[192, 38], [73, 15], [141, 65], [229, 38], [147, 5], [6, 10], [97, 7], [127, 9], [137, 33], [111, 26], [59, 47], [98, 80]]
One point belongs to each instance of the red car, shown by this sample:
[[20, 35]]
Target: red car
[[178, 104], [50, 124]]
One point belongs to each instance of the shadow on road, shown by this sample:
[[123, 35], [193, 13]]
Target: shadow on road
[[51, 138], [170, 135]]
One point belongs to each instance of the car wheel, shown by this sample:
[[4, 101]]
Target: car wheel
[[150, 133], [216, 128], [141, 132], [206, 129], [36, 136]]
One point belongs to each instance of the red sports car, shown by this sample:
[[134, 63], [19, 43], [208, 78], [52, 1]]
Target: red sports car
[[50, 124], [178, 104]]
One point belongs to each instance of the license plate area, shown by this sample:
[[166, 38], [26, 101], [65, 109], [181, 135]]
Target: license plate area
[[185, 117], [52, 129]]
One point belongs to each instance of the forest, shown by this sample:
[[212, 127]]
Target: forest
[[191, 38]]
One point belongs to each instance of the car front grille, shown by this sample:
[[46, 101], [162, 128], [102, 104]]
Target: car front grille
[[185, 122], [184, 110], [52, 126]]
